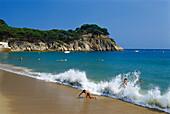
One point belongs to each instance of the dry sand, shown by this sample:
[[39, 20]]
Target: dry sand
[[4, 105], [25, 95]]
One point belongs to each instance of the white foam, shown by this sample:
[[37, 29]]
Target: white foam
[[153, 98]]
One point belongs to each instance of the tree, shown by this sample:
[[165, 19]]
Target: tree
[[91, 28], [2, 22], [105, 31], [34, 35]]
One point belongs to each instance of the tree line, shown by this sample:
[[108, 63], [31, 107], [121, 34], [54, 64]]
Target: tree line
[[27, 34]]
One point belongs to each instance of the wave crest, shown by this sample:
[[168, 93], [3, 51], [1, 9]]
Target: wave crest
[[153, 98], [133, 93]]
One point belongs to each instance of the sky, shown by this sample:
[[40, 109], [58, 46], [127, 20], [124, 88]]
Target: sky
[[133, 24]]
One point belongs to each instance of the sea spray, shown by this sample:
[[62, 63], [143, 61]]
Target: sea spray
[[153, 98], [71, 77]]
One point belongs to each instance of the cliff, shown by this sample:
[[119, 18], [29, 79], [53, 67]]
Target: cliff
[[88, 37], [87, 44]]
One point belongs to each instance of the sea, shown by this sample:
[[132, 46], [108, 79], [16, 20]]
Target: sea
[[101, 73]]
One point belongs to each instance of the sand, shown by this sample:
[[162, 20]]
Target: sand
[[21, 94], [4, 105]]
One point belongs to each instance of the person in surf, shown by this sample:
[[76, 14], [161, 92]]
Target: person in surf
[[141, 81], [124, 83], [87, 94]]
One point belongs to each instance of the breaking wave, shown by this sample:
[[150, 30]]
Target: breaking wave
[[152, 98]]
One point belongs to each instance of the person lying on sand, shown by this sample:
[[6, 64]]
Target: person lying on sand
[[87, 94]]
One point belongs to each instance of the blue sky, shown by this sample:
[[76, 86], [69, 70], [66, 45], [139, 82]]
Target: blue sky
[[134, 24]]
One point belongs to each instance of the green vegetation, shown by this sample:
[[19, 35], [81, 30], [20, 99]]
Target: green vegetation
[[93, 29], [33, 35], [2, 22]]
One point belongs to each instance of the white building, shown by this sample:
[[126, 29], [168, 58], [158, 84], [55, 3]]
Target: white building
[[4, 45]]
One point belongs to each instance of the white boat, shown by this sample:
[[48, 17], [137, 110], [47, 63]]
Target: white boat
[[66, 51], [136, 50]]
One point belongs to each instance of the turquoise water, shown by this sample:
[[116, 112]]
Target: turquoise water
[[152, 66]]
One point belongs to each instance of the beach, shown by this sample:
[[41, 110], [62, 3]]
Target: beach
[[22, 94]]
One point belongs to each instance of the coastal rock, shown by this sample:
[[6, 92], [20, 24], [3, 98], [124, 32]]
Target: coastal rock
[[88, 37], [102, 43]]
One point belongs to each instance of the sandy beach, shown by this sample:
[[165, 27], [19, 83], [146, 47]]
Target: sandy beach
[[21, 94]]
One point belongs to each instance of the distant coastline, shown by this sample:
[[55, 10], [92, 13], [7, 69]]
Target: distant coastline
[[86, 38], [144, 49]]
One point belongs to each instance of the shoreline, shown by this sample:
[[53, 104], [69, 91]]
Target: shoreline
[[81, 50], [63, 51], [24, 94]]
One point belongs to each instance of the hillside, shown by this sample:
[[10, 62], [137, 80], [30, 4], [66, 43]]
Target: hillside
[[84, 38]]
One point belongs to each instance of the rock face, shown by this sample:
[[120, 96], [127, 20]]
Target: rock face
[[85, 44]]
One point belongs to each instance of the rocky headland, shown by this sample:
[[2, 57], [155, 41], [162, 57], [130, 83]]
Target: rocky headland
[[85, 38], [87, 44]]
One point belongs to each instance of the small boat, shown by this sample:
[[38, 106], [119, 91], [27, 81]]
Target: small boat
[[136, 50], [66, 51]]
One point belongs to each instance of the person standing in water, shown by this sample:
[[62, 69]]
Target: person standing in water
[[87, 94], [140, 80]]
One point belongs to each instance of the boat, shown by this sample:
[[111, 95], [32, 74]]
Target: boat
[[136, 50], [66, 51]]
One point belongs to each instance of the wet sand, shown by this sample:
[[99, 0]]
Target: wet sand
[[21, 94]]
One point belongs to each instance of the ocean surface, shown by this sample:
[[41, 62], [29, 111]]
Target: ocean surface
[[101, 73]]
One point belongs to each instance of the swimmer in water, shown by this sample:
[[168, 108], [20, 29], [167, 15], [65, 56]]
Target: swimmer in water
[[125, 82], [87, 94], [21, 58], [140, 80]]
